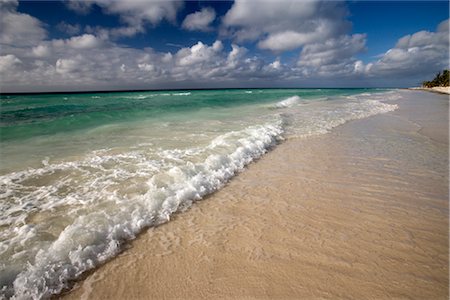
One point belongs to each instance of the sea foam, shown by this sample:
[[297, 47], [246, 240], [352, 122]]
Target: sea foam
[[288, 102], [98, 235]]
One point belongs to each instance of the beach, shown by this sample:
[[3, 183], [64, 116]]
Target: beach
[[436, 89], [360, 212], [224, 150]]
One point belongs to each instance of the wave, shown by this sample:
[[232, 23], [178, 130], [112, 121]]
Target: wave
[[288, 102], [162, 187], [312, 121]]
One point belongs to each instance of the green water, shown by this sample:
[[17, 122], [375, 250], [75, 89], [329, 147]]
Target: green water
[[26, 116]]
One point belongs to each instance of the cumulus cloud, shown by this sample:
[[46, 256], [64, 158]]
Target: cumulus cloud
[[90, 61], [276, 64], [200, 20], [421, 53], [285, 24], [7, 62], [333, 56], [236, 54], [85, 41], [41, 51], [199, 53], [135, 14], [146, 67], [286, 40], [74, 64], [19, 29], [65, 66]]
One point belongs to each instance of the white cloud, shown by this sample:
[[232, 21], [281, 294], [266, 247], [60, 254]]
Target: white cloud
[[235, 55], [135, 14], [444, 26], [92, 61], [167, 58], [19, 29], [85, 41], [425, 38], [285, 24], [41, 51], [65, 66], [138, 11], [7, 62], [289, 40], [422, 53], [276, 64], [358, 67], [146, 67], [70, 68], [199, 53], [217, 46], [333, 56], [200, 20]]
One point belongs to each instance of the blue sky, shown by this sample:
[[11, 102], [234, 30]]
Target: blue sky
[[102, 45]]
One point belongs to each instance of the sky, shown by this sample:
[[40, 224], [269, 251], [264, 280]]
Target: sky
[[143, 44]]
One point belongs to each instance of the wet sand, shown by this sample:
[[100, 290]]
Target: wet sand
[[360, 213]]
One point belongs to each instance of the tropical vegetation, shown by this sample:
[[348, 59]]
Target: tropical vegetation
[[441, 79]]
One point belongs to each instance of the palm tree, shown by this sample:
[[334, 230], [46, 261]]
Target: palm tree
[[441, 79]]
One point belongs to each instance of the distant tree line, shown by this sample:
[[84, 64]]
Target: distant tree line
[[441, 79]]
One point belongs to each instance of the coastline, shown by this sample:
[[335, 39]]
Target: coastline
[[359, 212], [437, 89]]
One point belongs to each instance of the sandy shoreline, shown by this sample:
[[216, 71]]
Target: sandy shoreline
[[361, 212], [437, 89]]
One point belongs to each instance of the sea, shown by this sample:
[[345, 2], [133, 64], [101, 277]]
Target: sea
[[82, 174]]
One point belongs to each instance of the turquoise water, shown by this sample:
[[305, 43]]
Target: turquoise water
[[45, 124], [80, 174], [32, 115]]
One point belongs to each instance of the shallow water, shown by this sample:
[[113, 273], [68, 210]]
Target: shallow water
[[83, 173]]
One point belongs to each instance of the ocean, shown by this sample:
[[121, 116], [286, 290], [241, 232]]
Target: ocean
[[82, 174]]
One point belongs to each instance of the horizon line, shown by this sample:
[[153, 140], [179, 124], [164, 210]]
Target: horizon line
[[183, 89]]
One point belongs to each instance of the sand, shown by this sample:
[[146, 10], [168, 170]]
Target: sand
[[436, 89], [358, 213]]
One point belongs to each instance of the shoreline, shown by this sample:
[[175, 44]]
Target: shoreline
[[439, 89], [327, 216]]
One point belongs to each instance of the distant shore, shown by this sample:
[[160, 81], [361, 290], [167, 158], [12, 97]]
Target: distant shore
[[360, 212], [437, 89]]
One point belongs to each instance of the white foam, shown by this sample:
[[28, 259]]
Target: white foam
[[93, 237], [288, 102], [181, 94], [312, 120]]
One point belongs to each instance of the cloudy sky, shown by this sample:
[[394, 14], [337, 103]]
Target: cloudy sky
[[141, 44]]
